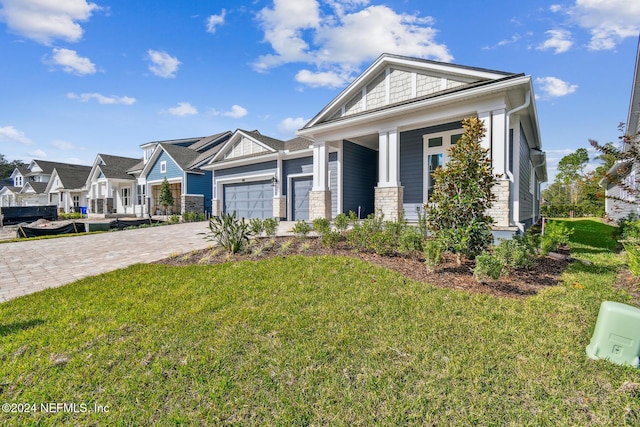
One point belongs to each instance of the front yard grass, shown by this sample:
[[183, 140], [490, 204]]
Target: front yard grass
[[315, 340]]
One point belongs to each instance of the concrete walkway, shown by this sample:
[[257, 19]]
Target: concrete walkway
[[31, 266]]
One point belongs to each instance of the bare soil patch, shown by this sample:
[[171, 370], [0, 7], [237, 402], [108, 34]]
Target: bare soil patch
[[519, 284]]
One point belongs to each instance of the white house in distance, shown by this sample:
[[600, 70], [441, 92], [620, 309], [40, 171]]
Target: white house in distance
[[111, 187], [618, 209], [374, 147], [66, 188]]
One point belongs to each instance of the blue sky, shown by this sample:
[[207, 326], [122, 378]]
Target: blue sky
[[81, 77]]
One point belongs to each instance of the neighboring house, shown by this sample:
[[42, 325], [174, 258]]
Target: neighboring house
[[375, 146], [10, 191], [618, 209], [180, 162], [111, 189], [34, 193], [257, 176], [66, 188]]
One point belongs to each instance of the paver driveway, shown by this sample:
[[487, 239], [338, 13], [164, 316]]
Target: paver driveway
[[31, 266]]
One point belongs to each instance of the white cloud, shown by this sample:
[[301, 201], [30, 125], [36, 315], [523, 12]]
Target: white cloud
[[11, 134], [47, 20], [215, 20], [163, 64], [183, 109], [559, 40], [38, 153], [86, 97], [514, 38], [340, 40], [330, 79], [609, 22], [71, 62], [63, 145], [236, 112], [555, 8], [290, 124], [553, 87]]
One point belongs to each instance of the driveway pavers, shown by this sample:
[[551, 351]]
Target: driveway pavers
[[31, 266]]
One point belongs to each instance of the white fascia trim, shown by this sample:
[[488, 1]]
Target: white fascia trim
[[242, 162], [232, 140], [407, 108], [171, 181], [194, 195]]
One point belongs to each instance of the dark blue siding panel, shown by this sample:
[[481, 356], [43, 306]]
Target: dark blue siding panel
[[360, 177], [201, 184], [412, 159], [295, 166], [173, 170]]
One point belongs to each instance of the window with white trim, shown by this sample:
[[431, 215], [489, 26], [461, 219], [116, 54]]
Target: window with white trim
[[435, 148], [142, 189], [629, 193], [163, 166], [126, 195]]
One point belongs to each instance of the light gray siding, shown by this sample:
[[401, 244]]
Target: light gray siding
[[360, 176]]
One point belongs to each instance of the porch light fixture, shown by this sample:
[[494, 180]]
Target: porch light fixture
[[274, 181]]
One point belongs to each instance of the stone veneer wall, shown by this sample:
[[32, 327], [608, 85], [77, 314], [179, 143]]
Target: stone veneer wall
[[319, 204], [215, 207], [280, 207], [192, 203], [388, 201], [500, 210], [109, 205]]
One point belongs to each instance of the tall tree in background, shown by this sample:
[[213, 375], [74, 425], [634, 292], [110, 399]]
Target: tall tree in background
[[6, 167], [571, 173]]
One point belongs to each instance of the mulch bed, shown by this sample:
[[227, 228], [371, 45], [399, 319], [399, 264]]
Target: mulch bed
[[519, 284]]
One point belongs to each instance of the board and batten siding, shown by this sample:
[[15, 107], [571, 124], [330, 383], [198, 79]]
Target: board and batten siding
[[333, 182], [360, 176], [526, 198], [173, 170]]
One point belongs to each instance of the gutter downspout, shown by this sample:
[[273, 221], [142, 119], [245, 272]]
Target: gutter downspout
[[516, 203]]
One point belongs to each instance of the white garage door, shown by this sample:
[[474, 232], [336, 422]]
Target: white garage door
[[249, 200], [300, 197]]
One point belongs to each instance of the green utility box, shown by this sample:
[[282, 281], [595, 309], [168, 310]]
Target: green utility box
[[616, 336]]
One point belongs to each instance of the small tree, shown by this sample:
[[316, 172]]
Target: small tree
[[457, 212], [165, 198]]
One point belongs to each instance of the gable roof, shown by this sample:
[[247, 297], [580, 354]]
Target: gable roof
[[446, 79], [182, 156], [265, 144], [204, 144], [19, 170], [48, 167], [71, 178], [37, 187], [113, 167]]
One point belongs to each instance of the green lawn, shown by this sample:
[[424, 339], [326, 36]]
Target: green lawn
[[315, 340]]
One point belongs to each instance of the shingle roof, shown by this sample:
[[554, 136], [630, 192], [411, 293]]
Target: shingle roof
[[38, 187], [296, 144], [116, 167], [274, 143], [48, 167], [184, 157], [202, 143], [74, 177]]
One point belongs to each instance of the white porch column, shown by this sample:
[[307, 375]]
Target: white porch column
[[320, 195], [279, 201], [389, 194], [485, 118], [389, 159], [499, 142], [320, 166]]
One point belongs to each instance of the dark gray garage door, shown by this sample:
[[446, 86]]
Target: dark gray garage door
[[300, 197], [249, 200]]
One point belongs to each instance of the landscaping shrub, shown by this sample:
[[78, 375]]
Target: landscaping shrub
[[629, 231], [270, 226], [174, 219], [353, 218], [514, 253], [555, 234], [301, 228], [256, 226], [341, 221], [487, 266], [321, 226], [70, 215], [360, 236], [230, 232], [433, 250], [411, 239], [193, 216], [331, 239]]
